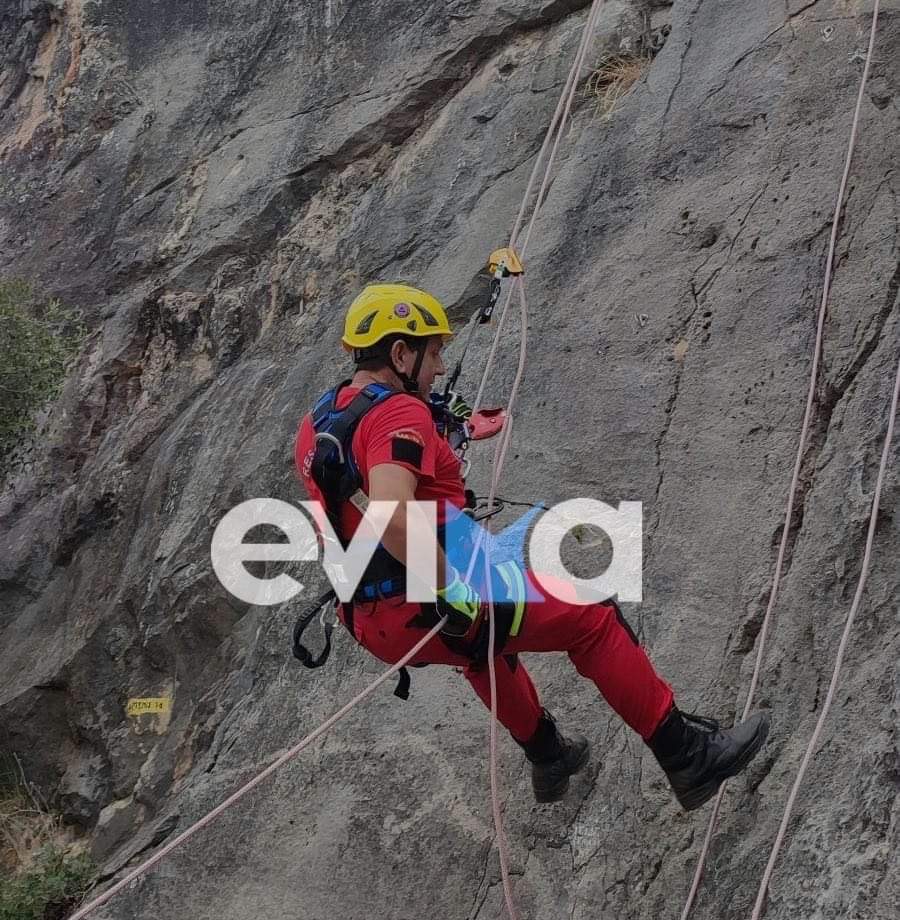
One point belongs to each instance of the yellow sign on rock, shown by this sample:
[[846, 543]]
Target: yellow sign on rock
[[151, 704]]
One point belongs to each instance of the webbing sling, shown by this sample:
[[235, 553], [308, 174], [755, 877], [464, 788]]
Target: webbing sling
[[305, 657]]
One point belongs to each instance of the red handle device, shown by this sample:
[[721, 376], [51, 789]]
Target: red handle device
[[485, 423]]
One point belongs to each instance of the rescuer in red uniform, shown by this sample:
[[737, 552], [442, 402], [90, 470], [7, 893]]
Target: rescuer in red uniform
[[384, 414]]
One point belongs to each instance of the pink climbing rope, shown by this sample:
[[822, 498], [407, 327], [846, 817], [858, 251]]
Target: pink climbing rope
[[144, 867], [495, 479], [564, 105], [842, 648], [252, 784], [795, 478]]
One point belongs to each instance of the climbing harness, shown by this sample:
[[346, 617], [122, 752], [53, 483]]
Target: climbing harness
[[335, 471]]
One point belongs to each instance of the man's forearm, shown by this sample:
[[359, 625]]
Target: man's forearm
[[398, 534]]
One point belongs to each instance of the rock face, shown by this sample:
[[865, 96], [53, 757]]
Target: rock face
[[212, 183]]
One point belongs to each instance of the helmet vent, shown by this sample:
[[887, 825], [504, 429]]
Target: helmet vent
[[365, 324], [429, 318]]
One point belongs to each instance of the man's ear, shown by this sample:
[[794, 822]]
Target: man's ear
[[398, 349]]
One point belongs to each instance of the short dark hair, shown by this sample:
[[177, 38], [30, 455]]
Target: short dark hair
[[378, 356]]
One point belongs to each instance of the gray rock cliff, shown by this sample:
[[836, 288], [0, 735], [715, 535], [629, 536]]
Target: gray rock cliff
[[212, 184]]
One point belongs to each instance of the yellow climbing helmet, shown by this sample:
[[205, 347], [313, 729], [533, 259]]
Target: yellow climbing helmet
[[386, 309]]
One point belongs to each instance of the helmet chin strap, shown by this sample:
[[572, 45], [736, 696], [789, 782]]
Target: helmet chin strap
[[411, 381]]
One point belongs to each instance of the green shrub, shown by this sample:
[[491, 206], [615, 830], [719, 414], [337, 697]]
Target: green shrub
[[38, 344], [40, 877], [49, 890]]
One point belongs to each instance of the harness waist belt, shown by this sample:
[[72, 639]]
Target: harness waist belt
[[375, 590]]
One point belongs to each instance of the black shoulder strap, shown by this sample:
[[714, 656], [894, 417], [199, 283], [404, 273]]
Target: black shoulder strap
[[336, 480], [364, 400], [331, 468]]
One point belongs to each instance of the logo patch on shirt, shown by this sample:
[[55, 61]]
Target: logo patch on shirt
[[407, 446], [409, 434]]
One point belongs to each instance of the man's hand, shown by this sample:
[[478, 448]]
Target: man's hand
[[460, 603], [459, 408], [452, 407]]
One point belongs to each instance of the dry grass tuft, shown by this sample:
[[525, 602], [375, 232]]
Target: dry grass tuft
[[26, 823], [44, 874], [612, 78]]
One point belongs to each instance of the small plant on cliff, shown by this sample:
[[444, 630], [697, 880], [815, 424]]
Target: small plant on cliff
[[612, 77], [38, 343], [41, 878], [49, 890]]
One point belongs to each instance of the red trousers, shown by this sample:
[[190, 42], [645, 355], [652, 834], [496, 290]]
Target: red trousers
[[596, 640]]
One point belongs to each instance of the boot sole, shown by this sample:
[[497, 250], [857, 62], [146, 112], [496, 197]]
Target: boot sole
[[555, 793], [702, 794]]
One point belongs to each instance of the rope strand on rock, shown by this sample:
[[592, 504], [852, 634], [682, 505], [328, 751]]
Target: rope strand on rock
[[564, 104], [798, 461], [839, 660], [185, 835]]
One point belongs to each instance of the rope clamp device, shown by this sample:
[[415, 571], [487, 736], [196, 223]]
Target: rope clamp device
[[501, 264]]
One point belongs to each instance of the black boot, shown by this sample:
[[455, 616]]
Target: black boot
[[554, 758], [698, 757]]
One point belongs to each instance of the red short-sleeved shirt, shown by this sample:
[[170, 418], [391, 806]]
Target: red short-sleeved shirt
[[400, 430]]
